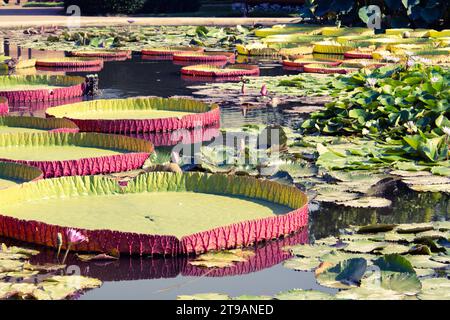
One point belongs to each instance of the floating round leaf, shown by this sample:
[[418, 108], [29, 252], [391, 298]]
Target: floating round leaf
[[79, 62], [324, 68], [102, 53], [14, 173], [205, 70], [63, 154], [367, 202], [138, 115], [13, 124], [170, 51], [301, 62], [369, 293], [435, 289], [364, 246], [361, 53], [218, 211], [205, 56], [40, 87], [302, 264], [345, 274]]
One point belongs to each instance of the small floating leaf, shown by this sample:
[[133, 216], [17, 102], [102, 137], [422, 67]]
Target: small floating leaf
[[367, 202], [364, 246], [345, 274], [302, 264]]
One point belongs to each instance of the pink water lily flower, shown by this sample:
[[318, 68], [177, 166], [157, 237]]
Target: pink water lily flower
[[75, 237], [264, 90]]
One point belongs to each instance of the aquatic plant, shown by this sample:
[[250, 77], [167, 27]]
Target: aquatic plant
[[197, 237], [40, 87], [87, 153], [375, 261], [401, 95], [138, 115]]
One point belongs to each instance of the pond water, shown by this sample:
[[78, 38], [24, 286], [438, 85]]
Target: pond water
[[165, 278]]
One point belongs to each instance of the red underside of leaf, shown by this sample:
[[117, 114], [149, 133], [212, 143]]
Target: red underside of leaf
[[88, 166], [70, 64], [4, 109], [44, 94], [239, 234], [126, 126]]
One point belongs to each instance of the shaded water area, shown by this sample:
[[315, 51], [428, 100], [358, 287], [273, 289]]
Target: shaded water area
[[165, 278]]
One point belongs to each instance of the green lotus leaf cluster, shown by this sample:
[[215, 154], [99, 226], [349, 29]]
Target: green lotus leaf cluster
[[367, 263], [406, 107], [137, 37]]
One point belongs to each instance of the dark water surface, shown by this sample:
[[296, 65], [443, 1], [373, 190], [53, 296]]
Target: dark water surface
[[165, 278]]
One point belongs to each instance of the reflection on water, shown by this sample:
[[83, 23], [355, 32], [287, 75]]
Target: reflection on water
[[165, 278]]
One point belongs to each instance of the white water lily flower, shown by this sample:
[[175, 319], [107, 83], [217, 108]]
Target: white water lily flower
[[434, 79], [410, 127], [446, 130], [365, 131], [371, 82]]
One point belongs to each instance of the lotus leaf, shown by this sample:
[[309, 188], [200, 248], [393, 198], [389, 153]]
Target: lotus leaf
[[423, 262], [345, 274], [309, 251], [435, 289], [364, 246], [302, 264]]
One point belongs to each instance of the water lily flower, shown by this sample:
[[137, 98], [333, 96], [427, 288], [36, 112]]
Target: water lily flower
[[75, 237], [274, 102], [371, 82], [425, 60], [175, 157], [410, 127], [365, 132], [434, 79], [446, 130], [264, 91], [410, 63]]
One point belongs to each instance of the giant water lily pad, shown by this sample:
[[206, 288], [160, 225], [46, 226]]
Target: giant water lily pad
[[229, 72], [208, 205], [59, 154], [12, 174], [11, 124], [138, 115], [40, 87]]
